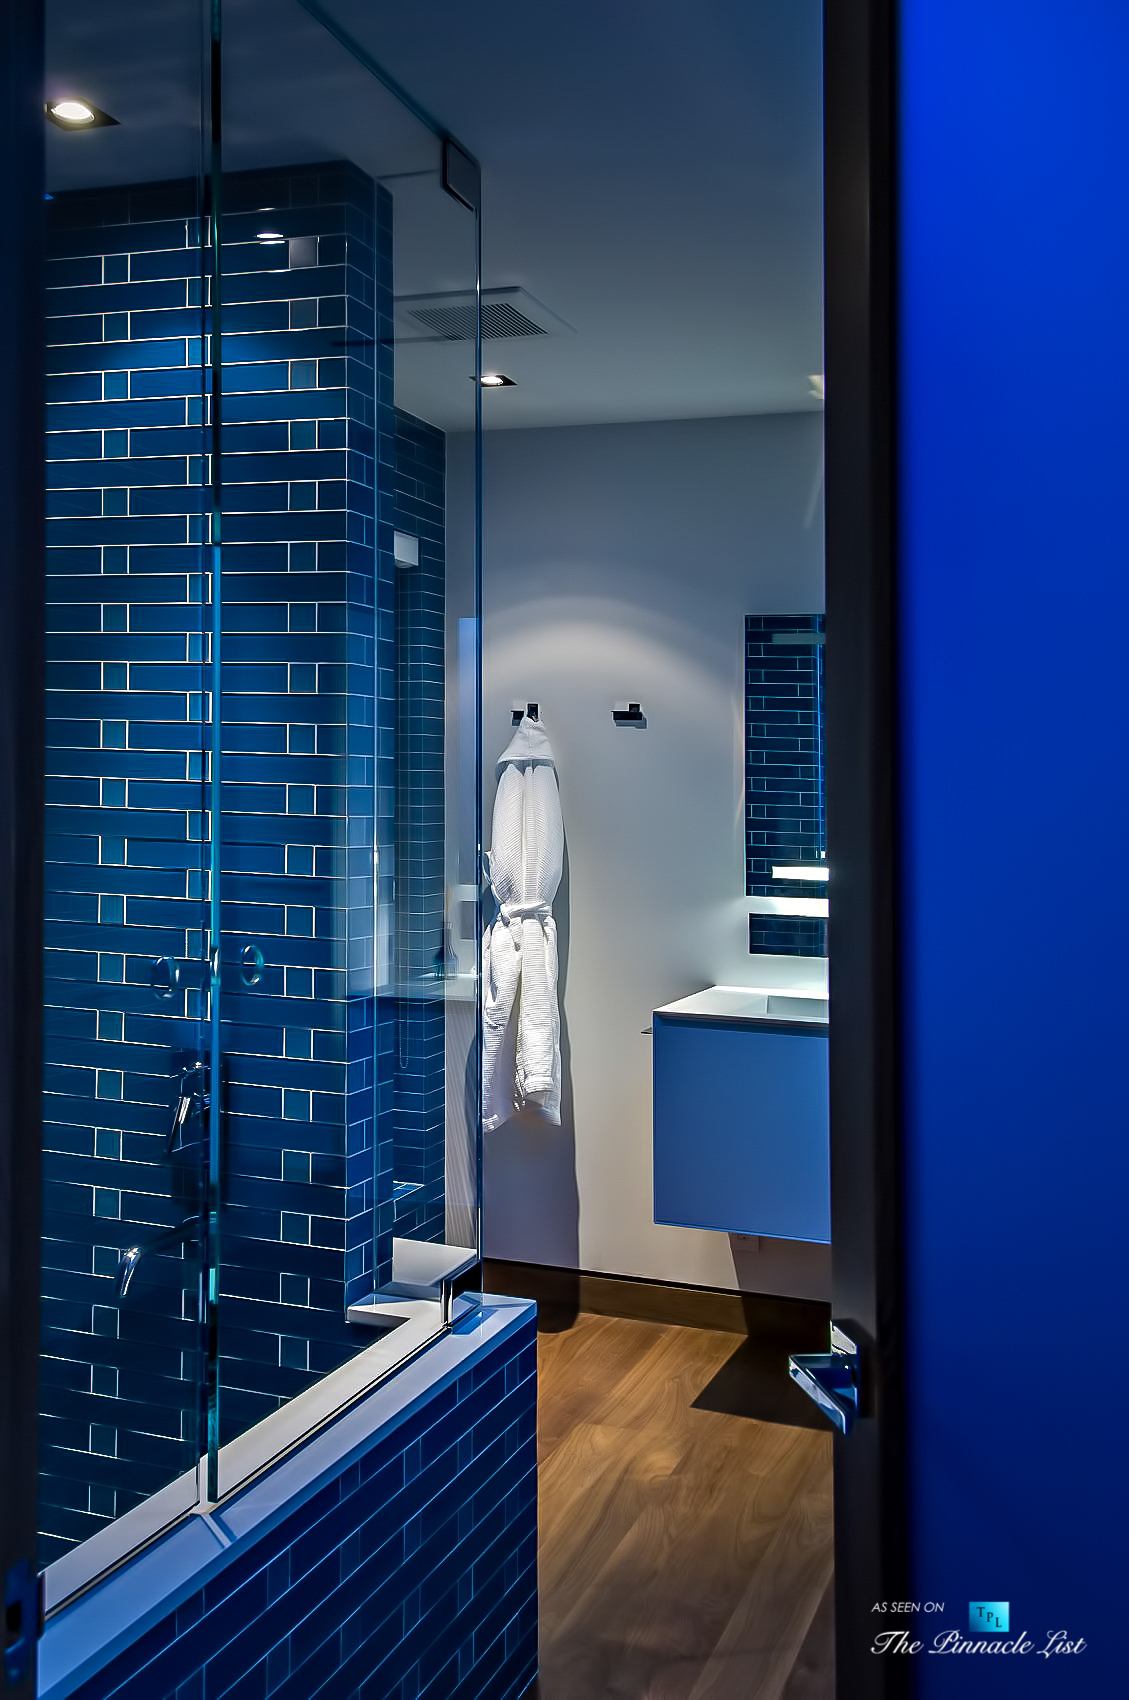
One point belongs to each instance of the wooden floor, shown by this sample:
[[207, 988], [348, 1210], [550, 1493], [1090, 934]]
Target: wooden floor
[[685, 1543]]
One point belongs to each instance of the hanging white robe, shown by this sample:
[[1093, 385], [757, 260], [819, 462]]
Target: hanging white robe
[[521, 1028]]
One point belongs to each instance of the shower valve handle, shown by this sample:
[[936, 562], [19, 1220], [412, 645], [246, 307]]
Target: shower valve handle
[[193, 1096]]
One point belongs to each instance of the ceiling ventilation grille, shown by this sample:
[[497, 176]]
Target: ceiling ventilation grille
[[450, 316], [456, 324]]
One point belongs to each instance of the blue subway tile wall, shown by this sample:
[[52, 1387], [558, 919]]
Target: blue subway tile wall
[[126, 854], [411, 1575], [308, 1217], [784, 809], [309, 725], [421, 941]]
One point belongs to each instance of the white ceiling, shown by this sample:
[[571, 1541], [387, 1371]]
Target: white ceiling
[[652, 173]]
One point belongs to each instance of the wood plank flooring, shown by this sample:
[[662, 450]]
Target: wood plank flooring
[[685, 1544]]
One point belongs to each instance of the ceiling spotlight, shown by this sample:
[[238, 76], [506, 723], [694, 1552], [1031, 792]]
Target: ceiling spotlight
[[74, 114], [495, 381], [271, 238]]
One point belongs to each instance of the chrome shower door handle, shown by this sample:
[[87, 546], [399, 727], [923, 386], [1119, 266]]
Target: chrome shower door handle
[[832, 1380]]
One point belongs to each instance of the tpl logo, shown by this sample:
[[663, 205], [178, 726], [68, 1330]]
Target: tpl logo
[[988, 1617]]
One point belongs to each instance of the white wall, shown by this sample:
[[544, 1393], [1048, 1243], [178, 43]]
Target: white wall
[[620, 563]]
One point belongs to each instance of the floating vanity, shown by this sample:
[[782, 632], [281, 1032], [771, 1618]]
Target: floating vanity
[[740, 1108]]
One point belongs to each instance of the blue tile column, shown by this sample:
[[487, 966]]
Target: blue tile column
[[306, 414], [125, 843], [309, 735], [419, 1153]]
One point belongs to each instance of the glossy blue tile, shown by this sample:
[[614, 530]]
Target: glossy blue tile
[[783, 768], [302, 575]]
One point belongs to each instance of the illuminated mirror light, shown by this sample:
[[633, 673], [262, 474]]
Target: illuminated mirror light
[[809, 908], [804, 871], [270, 237]]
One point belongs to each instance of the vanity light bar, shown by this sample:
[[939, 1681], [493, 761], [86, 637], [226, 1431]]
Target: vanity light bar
[[808, 871], [813, 908]]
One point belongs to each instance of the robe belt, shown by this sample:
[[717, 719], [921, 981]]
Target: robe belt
[[525, 912]]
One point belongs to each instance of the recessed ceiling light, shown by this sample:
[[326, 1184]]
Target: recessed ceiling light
[[75, 114], [496, 381], [270, 237], [73, 111]]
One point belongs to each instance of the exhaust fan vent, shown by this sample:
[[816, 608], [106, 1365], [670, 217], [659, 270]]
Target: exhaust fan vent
[[456, 324], [450, 316]]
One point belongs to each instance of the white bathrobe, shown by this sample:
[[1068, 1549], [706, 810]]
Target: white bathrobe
[[521, 1027]]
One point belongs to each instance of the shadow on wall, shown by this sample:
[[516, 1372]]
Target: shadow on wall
[[799, 1268], [529, 1176]]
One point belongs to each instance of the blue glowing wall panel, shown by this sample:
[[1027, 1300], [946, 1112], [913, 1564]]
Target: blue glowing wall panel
[[1014, 726], [784, 819], [410, 1576]]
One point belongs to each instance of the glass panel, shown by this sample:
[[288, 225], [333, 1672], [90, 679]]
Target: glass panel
[[429, 908], [349, 693], [125, 1136]]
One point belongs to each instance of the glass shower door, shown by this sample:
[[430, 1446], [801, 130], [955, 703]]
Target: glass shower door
[[129, 699], [348, 403], [261, 1110]]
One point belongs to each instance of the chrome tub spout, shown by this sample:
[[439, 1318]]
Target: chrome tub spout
[[132, 1255]]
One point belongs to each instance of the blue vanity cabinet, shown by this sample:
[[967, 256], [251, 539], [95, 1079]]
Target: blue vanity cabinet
[[741, 1116]]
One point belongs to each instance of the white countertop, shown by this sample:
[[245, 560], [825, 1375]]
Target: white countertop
[[753, 1003]]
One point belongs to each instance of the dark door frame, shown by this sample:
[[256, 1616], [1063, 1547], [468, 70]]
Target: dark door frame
[[22, 571], [871, 1540], [870, 1499]]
